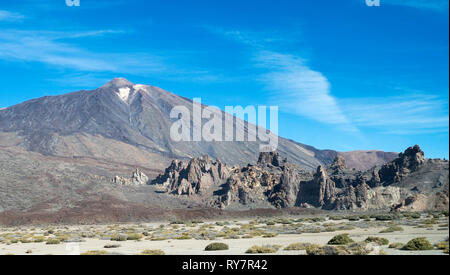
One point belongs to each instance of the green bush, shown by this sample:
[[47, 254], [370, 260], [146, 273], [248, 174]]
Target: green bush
[[397, 245], [149, 252], [38, 239], [418, 244], [25, 240], [270, 235], [351, 249], [336, 218], [442, 246], [184, 236], [262, 249], [112, 246], [53, 241], [318, 219], [430, 221], [353, 218], [94, 253], [392, 229], [384, 217], [134, 237], [412, 215], [298, 246], [377, 240], [119, 238], [216, 246], [342, 239]]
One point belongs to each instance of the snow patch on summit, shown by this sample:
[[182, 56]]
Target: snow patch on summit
[[124, 93], [138, 87]]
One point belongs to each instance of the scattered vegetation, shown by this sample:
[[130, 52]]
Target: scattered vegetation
[[418, 244], [336, 218], [377, 240], [156, 252], [267, 249], [397, 245], [351, 249], [53, 241], [298, 246], [353, 218], [134, 237], [341, 239], [112, 246], [94, 253], [443, 246], [391, 229], [412, 215], [184, 236], [216, 246], [386, 217], [270, 235], [119, 238]]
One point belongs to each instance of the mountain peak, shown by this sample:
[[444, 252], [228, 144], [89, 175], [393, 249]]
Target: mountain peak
[[122, 87], [118, 83]]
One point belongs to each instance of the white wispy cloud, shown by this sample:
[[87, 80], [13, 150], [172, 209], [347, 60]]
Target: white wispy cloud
[[410, 114], [61, 49], [299, 89], [293, 85], [48, 47], [433, 5], [10, 16]]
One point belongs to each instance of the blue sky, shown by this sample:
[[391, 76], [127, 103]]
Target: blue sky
[[345, 76]]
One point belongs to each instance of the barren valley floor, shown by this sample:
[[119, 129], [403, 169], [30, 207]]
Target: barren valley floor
[[279, 236]]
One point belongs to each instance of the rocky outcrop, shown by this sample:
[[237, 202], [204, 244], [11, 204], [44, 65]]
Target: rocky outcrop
[[422, 202], [248, 185], [137, 178], [405, 164], [272, 181], [338, 164], [194, 177], [271, 158], [408, 182], [338, 188], [285, 193]]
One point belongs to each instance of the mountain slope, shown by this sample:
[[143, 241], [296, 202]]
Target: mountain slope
[[104, 123], [128, 123]]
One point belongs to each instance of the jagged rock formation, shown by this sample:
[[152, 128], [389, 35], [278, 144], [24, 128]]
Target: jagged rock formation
[[405, 164], [193, 177], [137, 178], [272, 181], [408, 182], [381, 187]]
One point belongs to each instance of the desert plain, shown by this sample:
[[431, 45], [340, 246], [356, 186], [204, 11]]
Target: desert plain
[[356, 234]]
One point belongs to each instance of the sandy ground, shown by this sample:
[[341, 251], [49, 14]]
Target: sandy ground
[[237, 246]]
